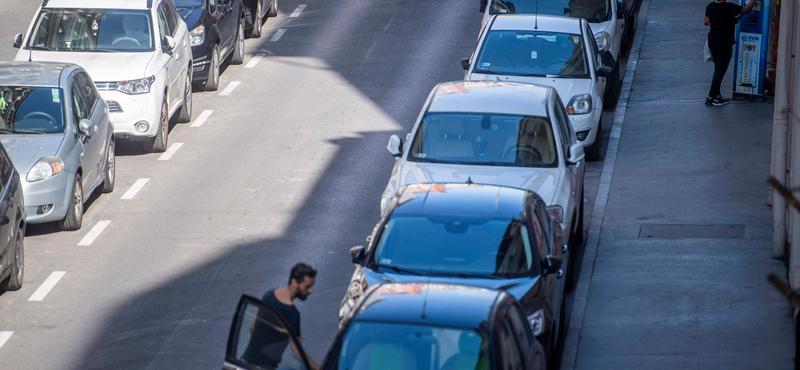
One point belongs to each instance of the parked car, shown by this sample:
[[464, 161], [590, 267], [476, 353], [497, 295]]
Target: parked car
[[217, 33], [255, 12], [398, 326], [500, 133], [12, 224], [552, 51], [138, 53], [56, 129], [606, 19], [470, 234]]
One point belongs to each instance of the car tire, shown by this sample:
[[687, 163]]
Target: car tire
[[111, 168], [185, 114], [237, 57], [74, 217], [257, 22], [14, 281], [161, 140], [212, 80], [576, 250], [273, 10], [612, 91], [593, 151]]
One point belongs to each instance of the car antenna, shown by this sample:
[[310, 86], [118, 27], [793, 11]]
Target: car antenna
[[536, 16], [469, 180]]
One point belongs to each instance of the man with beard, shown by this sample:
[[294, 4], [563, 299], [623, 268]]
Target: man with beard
[[301, 284]]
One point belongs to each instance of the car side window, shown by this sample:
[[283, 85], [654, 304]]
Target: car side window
[[594, 50], [6, 168], [172, 17], [87, 89], [509, 348], [79, 109], [163, 26], [525, 337], [562, 122]]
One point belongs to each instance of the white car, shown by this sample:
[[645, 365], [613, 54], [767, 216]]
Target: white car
[[547, 50], [606, 19], [496, 133], [137, 52]]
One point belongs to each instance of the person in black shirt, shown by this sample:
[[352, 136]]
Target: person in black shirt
[[721, 18]]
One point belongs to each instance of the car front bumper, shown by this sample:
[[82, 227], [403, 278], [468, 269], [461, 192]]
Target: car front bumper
[[201, 64], [47, 200], [583, 122], [126, 111]]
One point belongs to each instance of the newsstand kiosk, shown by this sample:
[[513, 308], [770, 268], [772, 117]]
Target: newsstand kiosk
[[752, 43]]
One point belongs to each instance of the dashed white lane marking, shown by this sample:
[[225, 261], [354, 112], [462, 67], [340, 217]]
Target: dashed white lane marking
[[254, 61], [297, 11], [278, 34], [202, 118], [47, 286], [4, 337], [170, 151], [229, 89], [134, 189], [94, 233]]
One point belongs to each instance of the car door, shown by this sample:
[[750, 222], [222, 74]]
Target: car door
[[619, 26], [227, 23], [96, 142], [573, 179], [172, 66], [594, 53], [87, 140], [181, 35], [552, 281], [259, 338]]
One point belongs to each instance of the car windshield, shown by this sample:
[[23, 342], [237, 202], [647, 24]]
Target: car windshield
[[484, 139], [31, 110], [533, 53], [379, 346], [456, 245], [92, 30], [594, 11]]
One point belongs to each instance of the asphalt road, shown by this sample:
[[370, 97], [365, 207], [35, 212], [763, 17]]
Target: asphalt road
[[289, 167]]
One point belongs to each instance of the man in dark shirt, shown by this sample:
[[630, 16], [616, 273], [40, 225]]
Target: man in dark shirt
[[721, 18]]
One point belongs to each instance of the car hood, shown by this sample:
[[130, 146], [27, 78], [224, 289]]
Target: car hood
[[542, 181], [192, 15], [101, 66], [566, 87], [25, 150], [518, 287]]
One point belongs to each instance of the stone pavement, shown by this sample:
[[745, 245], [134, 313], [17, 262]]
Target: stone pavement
[[679, 245]]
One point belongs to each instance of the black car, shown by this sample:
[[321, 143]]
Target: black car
[[12, 224], [255, 12], [398, 326], [217, 33], [482, 235]]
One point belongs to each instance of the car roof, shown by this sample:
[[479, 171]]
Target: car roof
[[100, 4], [32, 73], [430, 304], [547, 23], [490, 97], [461, 199]]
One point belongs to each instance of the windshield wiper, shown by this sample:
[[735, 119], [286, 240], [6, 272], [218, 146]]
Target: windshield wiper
[[15, 131], [45, 48], [466, 275], [399, 269]]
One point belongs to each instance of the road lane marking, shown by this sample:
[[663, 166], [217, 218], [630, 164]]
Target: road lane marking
[[95, 232], [254, 61], [170, 151], [202, 118], [134, 189], [229, 89], [47, 286], [4, 337], [278, 34], [297, 11]]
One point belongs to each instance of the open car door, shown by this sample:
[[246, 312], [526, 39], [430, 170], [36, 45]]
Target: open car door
[[260, 339]]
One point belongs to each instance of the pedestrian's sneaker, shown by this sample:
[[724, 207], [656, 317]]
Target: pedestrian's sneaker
[[719, 101], [709, 101]]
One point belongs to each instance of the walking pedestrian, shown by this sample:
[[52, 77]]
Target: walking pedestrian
[[721, 18]]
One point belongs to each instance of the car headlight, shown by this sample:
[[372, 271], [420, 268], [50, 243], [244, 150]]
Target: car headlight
[[135, 87], [536, 320], [603, 40], [354, 292], [580, 104], [198, 35], [46, 167]]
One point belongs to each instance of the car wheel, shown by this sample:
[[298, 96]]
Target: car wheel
[[111, 168], [212, 81], [593, 152], [612, 91], [257, 19], [237, 57], [14, 281], [160, 141], [576, 249], [578, 237], [72, 221], [273, 10], [185, 114]]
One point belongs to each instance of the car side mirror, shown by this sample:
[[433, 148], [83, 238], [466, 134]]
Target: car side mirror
[[483, 5], [86, 127], [576, 153], [620, 10], [605, 71], [465, 63], [18, 41], [358, 254], [168, 44], [553, 265], [395, 146], [607, 58]]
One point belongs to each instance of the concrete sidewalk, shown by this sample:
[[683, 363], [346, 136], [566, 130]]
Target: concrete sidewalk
[[679, 245]]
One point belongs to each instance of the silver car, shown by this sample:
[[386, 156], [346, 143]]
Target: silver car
[[55, 127]]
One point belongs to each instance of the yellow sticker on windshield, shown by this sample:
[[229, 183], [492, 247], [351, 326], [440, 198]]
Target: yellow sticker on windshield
[[56, 95]]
